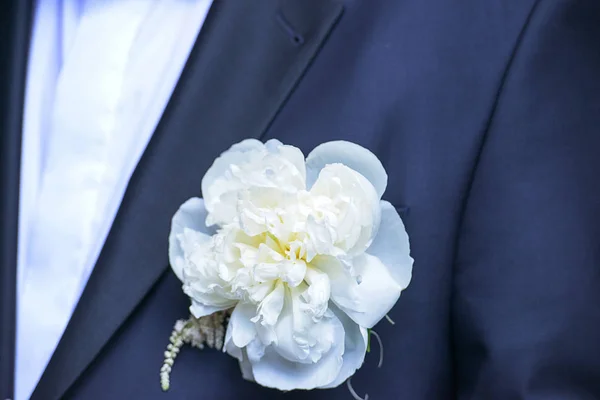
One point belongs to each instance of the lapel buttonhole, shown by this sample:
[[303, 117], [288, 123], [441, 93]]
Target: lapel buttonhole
[[295, 37]]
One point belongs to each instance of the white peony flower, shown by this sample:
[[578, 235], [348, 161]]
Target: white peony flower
[[304, 251]]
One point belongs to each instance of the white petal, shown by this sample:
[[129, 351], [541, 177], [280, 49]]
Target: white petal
[[219, 188], [201, 310], [318, 293], [190, 216], [356, 341], [343, 283], [236, 154], [240, 332], [355, 216], [368, 295], [301, 337], [240, 327], [293, 154], [350, 154], [255, 350], [293, 272], [273, 370], [246, 367], [391, 245], [242, 357], [271, 306], [377, 291], [250, 164]]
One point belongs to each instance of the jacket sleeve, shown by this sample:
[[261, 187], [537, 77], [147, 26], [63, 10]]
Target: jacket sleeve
[[526, 288]]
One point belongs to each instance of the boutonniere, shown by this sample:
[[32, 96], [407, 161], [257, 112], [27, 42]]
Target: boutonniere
[[288, 262]]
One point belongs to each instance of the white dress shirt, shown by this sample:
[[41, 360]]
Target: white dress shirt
[[99, 77]]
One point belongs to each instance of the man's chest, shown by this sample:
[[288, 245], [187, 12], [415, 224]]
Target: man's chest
[[387, 97]]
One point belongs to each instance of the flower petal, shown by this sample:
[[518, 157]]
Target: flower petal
[[255, 350], [316, 297], [377, 291], [188, 221], [343, 282], [270, 307], [236, 154], [346, 209], [198, 309], [355, 348], [276, 371], [293, 155], [366, 295], [241, 329], [246, 367], [302, 337], [221, 198], [240, 332], [250, 164], [350, 154], [392, 246]]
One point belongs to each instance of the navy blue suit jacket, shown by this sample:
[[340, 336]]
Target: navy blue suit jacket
[[486, 115]]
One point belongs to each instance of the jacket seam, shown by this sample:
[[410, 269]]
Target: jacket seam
[[465, 201]]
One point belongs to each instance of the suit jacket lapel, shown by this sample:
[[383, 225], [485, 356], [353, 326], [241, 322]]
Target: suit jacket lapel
[[15, 18], [245, 63]]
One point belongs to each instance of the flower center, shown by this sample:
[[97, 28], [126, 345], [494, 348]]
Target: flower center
[[285, 258]]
